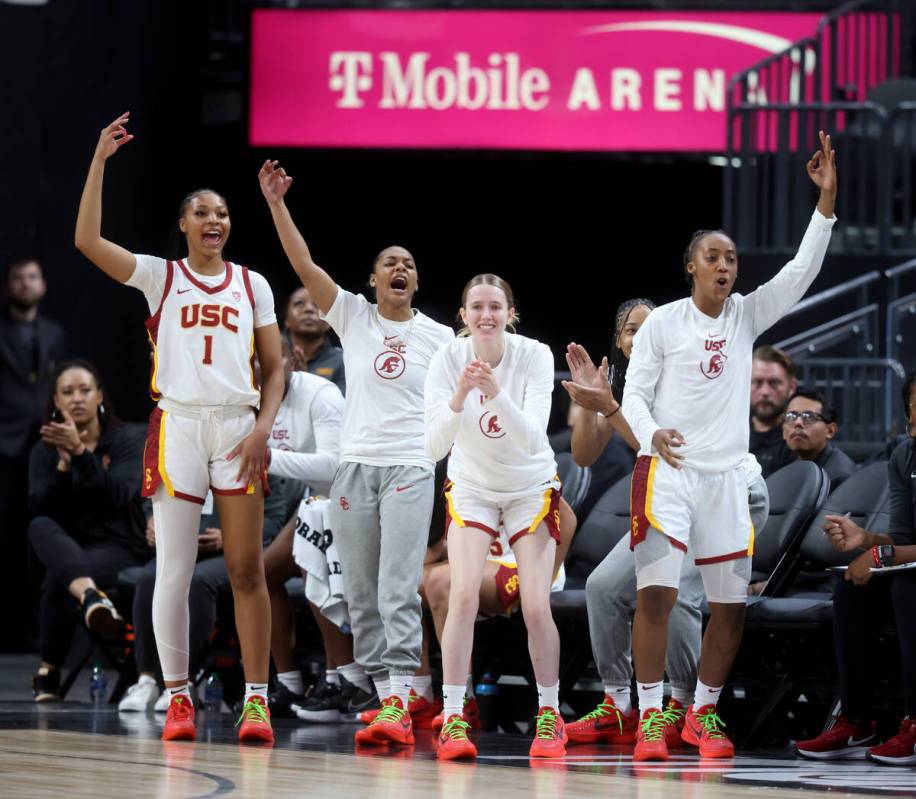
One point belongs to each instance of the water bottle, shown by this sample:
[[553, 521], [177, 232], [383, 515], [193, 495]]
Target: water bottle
[[98, 685], [213, 694], [487, 691]]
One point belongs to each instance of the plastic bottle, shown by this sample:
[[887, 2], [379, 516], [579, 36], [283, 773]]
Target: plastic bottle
[[213, 694], [98, 685], [487, 692]]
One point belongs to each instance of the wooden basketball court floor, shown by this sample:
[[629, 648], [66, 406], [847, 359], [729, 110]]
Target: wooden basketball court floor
[[73, 750]]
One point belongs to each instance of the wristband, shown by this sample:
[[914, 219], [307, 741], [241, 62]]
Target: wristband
[[875, 557], [609, 415]]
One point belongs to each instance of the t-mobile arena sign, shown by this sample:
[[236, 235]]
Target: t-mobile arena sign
[[525, 80]]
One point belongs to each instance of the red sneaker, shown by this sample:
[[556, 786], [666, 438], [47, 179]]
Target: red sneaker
[[650, 736], [179, 720], [703, 728], [470, 713], [605, 723], [422, 711], [453, 740], [899, 750], [255, 721], [675, 713], [550, 734], [391, 725], [846, 739]]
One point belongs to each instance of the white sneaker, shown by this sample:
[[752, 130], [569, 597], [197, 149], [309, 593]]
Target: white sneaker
[[162, 703], [141, 696]]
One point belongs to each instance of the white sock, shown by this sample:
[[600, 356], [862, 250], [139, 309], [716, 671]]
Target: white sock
[[400, 687], [292, 680], [423, 686], [452, 700], [256, 689], [146, 679], [180, 689], [331, 678], [621, 695], [682, 695], [549, 695], [705, 695], [383, 689], [651, 695], [469, 690], [355, 674]]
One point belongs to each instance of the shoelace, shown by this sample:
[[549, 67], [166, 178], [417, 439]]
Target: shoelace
[[253, 711], [653, 726], [674, 714], [546, 725], [605, 709], [712, 724], [390, 713], [456, 729]]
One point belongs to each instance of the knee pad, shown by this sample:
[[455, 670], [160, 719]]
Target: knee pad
[[658, 561], [726, 581]]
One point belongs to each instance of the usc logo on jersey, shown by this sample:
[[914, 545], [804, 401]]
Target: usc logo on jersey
[[210, 315], [149, 477], [489, 425]]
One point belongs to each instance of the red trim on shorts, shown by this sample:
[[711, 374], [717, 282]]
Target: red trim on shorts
[[446, 486], [479, 526], [639, 486], [551, 520], [151, 477], [188, 497], [721, 558], [228, 492], [203, 286], [507, 587]]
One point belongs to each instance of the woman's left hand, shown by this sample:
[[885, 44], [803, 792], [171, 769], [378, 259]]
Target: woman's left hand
[[63, 435], [251, 453], [480, 373], [859, 571]]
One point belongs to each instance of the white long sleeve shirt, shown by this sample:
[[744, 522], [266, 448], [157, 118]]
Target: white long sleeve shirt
[[499, 444], [305, 439], [692, 373]]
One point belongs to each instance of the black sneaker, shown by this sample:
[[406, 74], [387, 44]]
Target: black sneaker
[[46, 687], [322, 703], [354, 700], [280, 701], [100, 615]]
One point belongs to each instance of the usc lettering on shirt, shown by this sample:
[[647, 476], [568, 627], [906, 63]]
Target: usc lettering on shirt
[[201, 330], [383, 421]]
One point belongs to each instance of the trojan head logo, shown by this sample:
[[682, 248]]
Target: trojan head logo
[[344, 504], [715, 367], [389, 365], [489, 425]]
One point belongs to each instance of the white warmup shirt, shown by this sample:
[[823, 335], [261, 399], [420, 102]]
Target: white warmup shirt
[[500, 443], [202, 330], [305, 440], [383, 414], [691, 372]]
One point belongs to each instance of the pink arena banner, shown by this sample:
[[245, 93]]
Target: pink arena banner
[[522, 80]]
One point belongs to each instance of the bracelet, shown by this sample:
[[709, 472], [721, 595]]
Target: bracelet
[[609, 415], [876, 557]]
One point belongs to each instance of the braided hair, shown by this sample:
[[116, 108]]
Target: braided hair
[[695, 239], [619, 361]]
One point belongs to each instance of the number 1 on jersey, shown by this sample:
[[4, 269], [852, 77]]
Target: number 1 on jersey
[[208, 350]]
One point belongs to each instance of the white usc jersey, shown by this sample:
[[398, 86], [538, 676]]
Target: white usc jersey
[[202, 331], [499, 444]]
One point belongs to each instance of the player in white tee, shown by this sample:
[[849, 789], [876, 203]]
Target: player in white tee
[[488, 400], [686, 401], [382, 496], [208, 320]]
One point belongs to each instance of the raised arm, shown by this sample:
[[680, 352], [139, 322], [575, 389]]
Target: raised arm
[[274, 185], [777, 296], [111, 258]]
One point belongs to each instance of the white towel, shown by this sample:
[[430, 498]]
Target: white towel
[[315, 553]]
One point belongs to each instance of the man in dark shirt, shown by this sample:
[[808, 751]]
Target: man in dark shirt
[[772, 383], [308, 334], [809, 423], [30, 348]]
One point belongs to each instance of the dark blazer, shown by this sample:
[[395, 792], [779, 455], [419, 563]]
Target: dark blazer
[[24, 394]]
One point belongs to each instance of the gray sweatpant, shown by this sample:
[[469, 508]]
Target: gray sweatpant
[[380, 517], [610, 594]]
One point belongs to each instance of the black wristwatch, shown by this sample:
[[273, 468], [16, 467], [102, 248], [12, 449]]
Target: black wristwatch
[[885, 554]]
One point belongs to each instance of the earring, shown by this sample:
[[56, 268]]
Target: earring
[[101, 410]]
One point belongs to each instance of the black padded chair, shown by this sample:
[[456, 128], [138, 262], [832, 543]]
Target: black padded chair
[[575, 478], [796, 492]]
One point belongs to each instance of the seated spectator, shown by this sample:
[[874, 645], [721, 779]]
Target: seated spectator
[[808, 425], [209, 583], [865, 599], [308, 334], [84, 491], [772, 383]]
